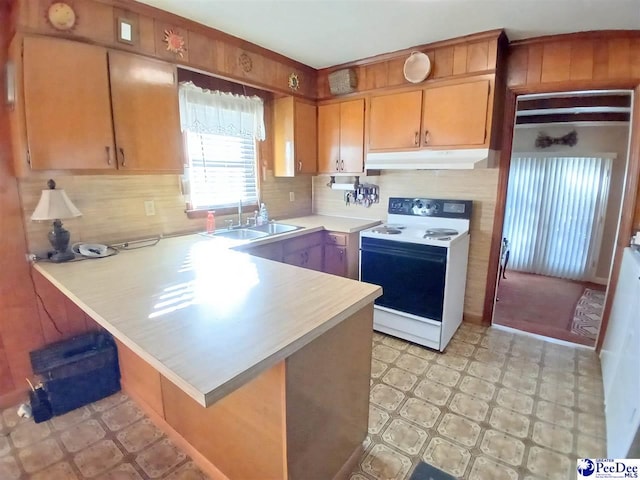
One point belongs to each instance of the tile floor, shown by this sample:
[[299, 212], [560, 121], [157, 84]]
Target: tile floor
[[495, 406], [108, 440]]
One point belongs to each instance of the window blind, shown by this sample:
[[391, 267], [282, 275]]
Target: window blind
[[222, 170], [555, 214]]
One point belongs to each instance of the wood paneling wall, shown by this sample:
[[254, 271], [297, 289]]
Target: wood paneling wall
[[469, 55], [477, 185], [206, 49], [20, 329], [592, 60]]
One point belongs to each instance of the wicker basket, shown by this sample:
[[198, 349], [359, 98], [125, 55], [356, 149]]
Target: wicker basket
[[343, 81]]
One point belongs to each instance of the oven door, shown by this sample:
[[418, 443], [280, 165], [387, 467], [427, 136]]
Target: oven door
[[411, 275]]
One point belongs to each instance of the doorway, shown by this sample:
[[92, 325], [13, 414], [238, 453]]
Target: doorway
[[564, 198]]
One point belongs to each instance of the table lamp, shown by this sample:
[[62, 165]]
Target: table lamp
[[54, 205]]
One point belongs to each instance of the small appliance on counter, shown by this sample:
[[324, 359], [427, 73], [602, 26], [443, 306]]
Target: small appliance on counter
[[419, 258]]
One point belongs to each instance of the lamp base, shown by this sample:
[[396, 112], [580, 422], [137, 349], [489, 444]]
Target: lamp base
[[58, 257]]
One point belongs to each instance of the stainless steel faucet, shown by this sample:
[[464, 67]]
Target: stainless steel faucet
[[240, 212]]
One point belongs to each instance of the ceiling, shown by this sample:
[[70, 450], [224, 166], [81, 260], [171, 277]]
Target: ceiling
[[323, 33]]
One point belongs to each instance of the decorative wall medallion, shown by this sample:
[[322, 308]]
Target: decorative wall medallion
[[61, 16], [294, 81], [245, 62], [175, 42]]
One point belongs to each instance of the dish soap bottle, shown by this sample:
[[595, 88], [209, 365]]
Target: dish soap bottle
[[211, 221], [264, 215]]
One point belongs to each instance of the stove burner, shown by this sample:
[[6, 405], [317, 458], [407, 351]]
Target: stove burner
[[387, 230], [440, 233]]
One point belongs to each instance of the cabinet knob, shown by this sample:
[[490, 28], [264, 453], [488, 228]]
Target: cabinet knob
[[426, 137], [123, 157], [108, 150], [342, 165], [337, 165], [416, 138]]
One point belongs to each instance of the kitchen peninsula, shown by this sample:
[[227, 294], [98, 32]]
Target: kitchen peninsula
[[263, 368]]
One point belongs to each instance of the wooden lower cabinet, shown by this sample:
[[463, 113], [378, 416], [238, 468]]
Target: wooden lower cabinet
[[305, 251], [335, 260], [304, 418], [341, 256]]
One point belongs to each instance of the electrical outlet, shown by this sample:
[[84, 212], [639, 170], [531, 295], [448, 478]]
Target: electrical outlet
[[149, 208], [292, 196]]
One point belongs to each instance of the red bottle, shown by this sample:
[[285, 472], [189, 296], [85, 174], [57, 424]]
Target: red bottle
[[211, 221]]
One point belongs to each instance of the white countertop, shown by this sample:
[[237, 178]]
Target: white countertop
[[332, 224], [208, 318]]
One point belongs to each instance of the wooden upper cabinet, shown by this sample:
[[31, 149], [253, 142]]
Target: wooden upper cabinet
[[341, 137], [67, 106], [78, 95], [329, 138], [295, 137], [394, 121], [144, 95], [455, 115]]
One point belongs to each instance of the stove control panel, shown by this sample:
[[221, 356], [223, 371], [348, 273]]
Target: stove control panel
[[430, 207]]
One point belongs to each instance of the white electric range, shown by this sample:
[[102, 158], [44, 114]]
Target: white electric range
[[419, 258]]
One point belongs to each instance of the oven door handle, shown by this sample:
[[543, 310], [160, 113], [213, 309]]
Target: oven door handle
[[398, 252]]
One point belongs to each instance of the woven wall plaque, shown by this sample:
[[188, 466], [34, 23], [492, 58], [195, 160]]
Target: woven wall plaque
[[343, 81]]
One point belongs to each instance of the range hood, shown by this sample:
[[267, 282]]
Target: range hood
[[463, 159]]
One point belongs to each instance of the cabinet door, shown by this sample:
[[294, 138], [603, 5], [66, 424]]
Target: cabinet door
[[315, 257], [335, 260], [455, 115], [145, 114], [67, 107], [329, 138], [394, 121], [306, 144], [352, 136]]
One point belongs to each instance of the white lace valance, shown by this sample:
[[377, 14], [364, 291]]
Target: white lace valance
[[206, 111]]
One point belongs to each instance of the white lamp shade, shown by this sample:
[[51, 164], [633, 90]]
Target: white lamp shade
[[54, 204]]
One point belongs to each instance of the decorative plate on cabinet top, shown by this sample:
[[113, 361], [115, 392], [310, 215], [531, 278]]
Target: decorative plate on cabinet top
[[61, 16], [417, 67]]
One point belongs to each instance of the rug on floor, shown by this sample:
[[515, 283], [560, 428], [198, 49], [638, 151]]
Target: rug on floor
[[424, 471], [588, 314]]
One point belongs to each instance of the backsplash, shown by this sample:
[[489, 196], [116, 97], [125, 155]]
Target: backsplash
[[113, 210], [478, 185]]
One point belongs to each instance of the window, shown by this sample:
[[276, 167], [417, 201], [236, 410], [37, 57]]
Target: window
[[220, 131], [222, 170]]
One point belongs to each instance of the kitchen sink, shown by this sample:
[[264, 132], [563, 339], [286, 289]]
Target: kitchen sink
[[241, 234], [274, 228]]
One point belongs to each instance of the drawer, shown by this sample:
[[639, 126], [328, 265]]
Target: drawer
[[302, 241], [337, 238]]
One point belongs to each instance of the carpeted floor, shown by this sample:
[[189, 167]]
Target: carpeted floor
[[542, 305]]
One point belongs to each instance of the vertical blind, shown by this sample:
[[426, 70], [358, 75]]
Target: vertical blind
[[221, 130], [555, 213]]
